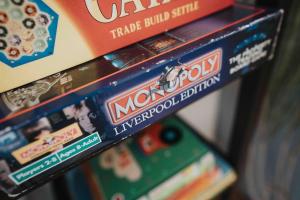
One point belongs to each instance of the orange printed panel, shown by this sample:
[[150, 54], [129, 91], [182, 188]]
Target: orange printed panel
[[48, 142], [109, 25], [46, 37]]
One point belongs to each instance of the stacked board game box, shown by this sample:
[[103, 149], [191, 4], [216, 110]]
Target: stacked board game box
[[54, 123], [167, 160], [40, 38]]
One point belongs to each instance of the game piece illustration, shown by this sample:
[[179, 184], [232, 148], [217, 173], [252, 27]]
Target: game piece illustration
[[27, 31], [28, 96], [122, 162]]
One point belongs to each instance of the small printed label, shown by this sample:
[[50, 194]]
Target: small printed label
[[34, 169], [47, 143], [249, 56], [52, 160], [79, 147]]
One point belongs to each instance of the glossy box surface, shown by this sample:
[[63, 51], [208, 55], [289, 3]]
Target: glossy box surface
[[40, 38], [55, 123]]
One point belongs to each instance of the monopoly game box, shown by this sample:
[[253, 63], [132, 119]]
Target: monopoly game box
[[53, 124]]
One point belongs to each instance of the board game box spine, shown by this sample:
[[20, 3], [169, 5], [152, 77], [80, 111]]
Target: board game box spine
[[104, 113]]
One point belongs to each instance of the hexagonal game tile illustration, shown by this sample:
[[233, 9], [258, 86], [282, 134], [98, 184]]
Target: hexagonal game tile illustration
[[27, 31]]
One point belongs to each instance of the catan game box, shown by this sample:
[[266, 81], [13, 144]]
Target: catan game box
[[40, 38]]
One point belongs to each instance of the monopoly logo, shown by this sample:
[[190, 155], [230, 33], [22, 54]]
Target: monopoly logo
[[47, 143], [136, 100]]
